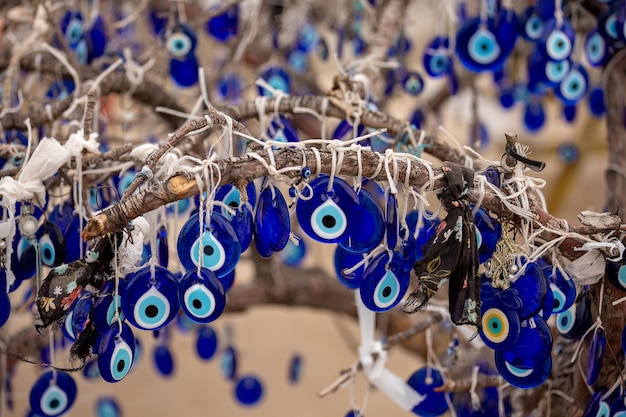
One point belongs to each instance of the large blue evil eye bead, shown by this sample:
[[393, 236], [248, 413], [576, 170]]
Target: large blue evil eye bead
[[500, 326], [51, 244], [323, 212], [424, 381], [52, 394], [531, 287], [574, 86], [574, 321], [558, 40], [478, 47], [437, 57], [523, 378], [384, 283], [242, 219], [271, 222], [596, 48], [106, 304], [532, 25], [181, 42], [217, 249], [150, 302], [533, 345], [201, 296], [116, 352]]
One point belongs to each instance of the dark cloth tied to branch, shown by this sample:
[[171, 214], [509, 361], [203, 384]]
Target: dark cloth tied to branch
[[452, 254]]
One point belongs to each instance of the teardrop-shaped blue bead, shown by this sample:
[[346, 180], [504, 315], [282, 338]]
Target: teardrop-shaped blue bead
[[163, 360], [206, 342]]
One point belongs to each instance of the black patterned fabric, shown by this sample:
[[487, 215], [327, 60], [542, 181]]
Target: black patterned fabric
[[452, 254]]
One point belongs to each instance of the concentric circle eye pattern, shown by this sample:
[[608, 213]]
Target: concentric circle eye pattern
[[116, 352], [596, 48], [556, 71], [533, 28], [384, 283], [51, 244], [558, 45], [499, 328], [150, 303], [52, 394], [574, 86], [201, 297], [413, 83], [104, 307], [181, 43], [483, 47]]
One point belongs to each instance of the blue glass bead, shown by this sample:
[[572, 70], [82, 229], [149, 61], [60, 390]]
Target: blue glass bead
[[52, 394], [5, 301], [81, 310], [271, 222], [413, 83], [23, 267], [61, 214], [248, 390], [369, 216], [569, 113], [523, 378], [150, 303], [500, 327], [282, 129], [308, 37], [344, 260], [425, 232], [107, 407], [488, 231], [596, 407], [573, 322], [104, 307], [163, 361], [242, 221], [409, 250], [574, 86], [230, 87], [437, 58], [228, 363], [563, 289], [90, 370], [534, 116], [295, 369], [181, 42], [532, 26], [96, 38], [507, 97], [202, 297], [607, 25], [548, 72], [344, 130], [72, 27], [293, 254], [531, 288], [116, 352], [391, 221], [278, 79], [206, 342], [73, 240], [184, 72], [51, 244], [224, 26], [384, 283], [424, 381], [596, 48], [533, 345], [568, 153], [228, 280], [618, 407], [548, 304], [597, 106], [477, 46], [492, 175], [557, 42], [596, 355], [298, 60], [359, 46], [218, 249], [323, 216]]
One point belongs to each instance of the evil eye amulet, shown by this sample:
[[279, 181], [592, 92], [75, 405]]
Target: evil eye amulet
[[107, 407], [51, 244], [150, 303], [116, 352], [181, 42], [531, 287], [437, 57], [72, 27], [202, 296], [228, 363], [344, 260], [184, 71], [412, 83], [217, 248], [500, 326], [324, 214], [242, 219], [52, 394], [557, 41], [596, 48], [104, 307], [477, 47], [248, 390], [424, 381], [574, 321], [206, 342], [532, 26], [271, 222], [563, 289], [384, 283], [533, 345], [574, 86], [596, 355], [523, 378], [488, 232]]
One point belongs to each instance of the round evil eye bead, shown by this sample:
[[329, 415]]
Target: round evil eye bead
[[107, 407], [384, 283], [478, 47], [412, 83], [52, 394], [242, 219], [51, 244], [557, 41], [72, 27], [163, 361], [574, 321], [271, 222], [563, 289], [574, 86], [201, 296], [424, 381], [531, 287], [533, 345], [181, 42], [368, 215], [217, 248], [437, 57], [248, 390], [184, 71], [294, 252], [597, 105], [596, 48], [522, 378], [206, 342], [500, 327], [150, 302], [532, 25], [534, 116], [105, 305], [323, 213], [116, 352]]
